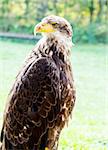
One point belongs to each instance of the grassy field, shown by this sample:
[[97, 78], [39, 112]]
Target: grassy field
[[88, 130]]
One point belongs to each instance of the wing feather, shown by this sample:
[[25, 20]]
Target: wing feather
[[32, 102]]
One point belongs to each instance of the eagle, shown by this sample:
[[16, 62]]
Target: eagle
[[42, 97]]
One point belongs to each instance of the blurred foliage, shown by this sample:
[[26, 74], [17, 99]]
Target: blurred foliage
[[89, 18]]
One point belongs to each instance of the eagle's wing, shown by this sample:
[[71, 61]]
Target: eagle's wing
[[34, 102]]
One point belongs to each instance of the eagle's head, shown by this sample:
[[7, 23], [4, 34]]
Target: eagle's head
[[54, 26]]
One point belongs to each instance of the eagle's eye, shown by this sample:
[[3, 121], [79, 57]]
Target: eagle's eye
[[53, 23]]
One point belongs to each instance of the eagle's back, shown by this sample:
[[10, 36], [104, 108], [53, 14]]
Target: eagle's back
[[40, 101]]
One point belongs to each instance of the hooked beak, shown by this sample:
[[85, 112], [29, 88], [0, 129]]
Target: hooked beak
[[43, 28]]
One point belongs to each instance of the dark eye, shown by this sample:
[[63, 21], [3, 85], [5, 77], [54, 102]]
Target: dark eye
[[54, 23]]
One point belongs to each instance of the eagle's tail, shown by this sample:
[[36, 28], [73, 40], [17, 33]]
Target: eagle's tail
[[30, 145], [48, 143]]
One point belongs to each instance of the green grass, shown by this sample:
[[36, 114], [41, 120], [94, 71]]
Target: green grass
[[88, 130]]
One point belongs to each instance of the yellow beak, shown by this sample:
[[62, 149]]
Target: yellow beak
[[43, 27]]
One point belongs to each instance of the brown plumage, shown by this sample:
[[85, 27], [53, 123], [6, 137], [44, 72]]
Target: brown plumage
[[43, 95]]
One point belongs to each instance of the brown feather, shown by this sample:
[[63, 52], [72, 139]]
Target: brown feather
[[41, 99]]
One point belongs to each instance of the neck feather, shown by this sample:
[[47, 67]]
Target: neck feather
[[61, 39], [61, 43]]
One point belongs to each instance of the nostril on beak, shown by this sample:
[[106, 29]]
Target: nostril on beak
[[39, 27]]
